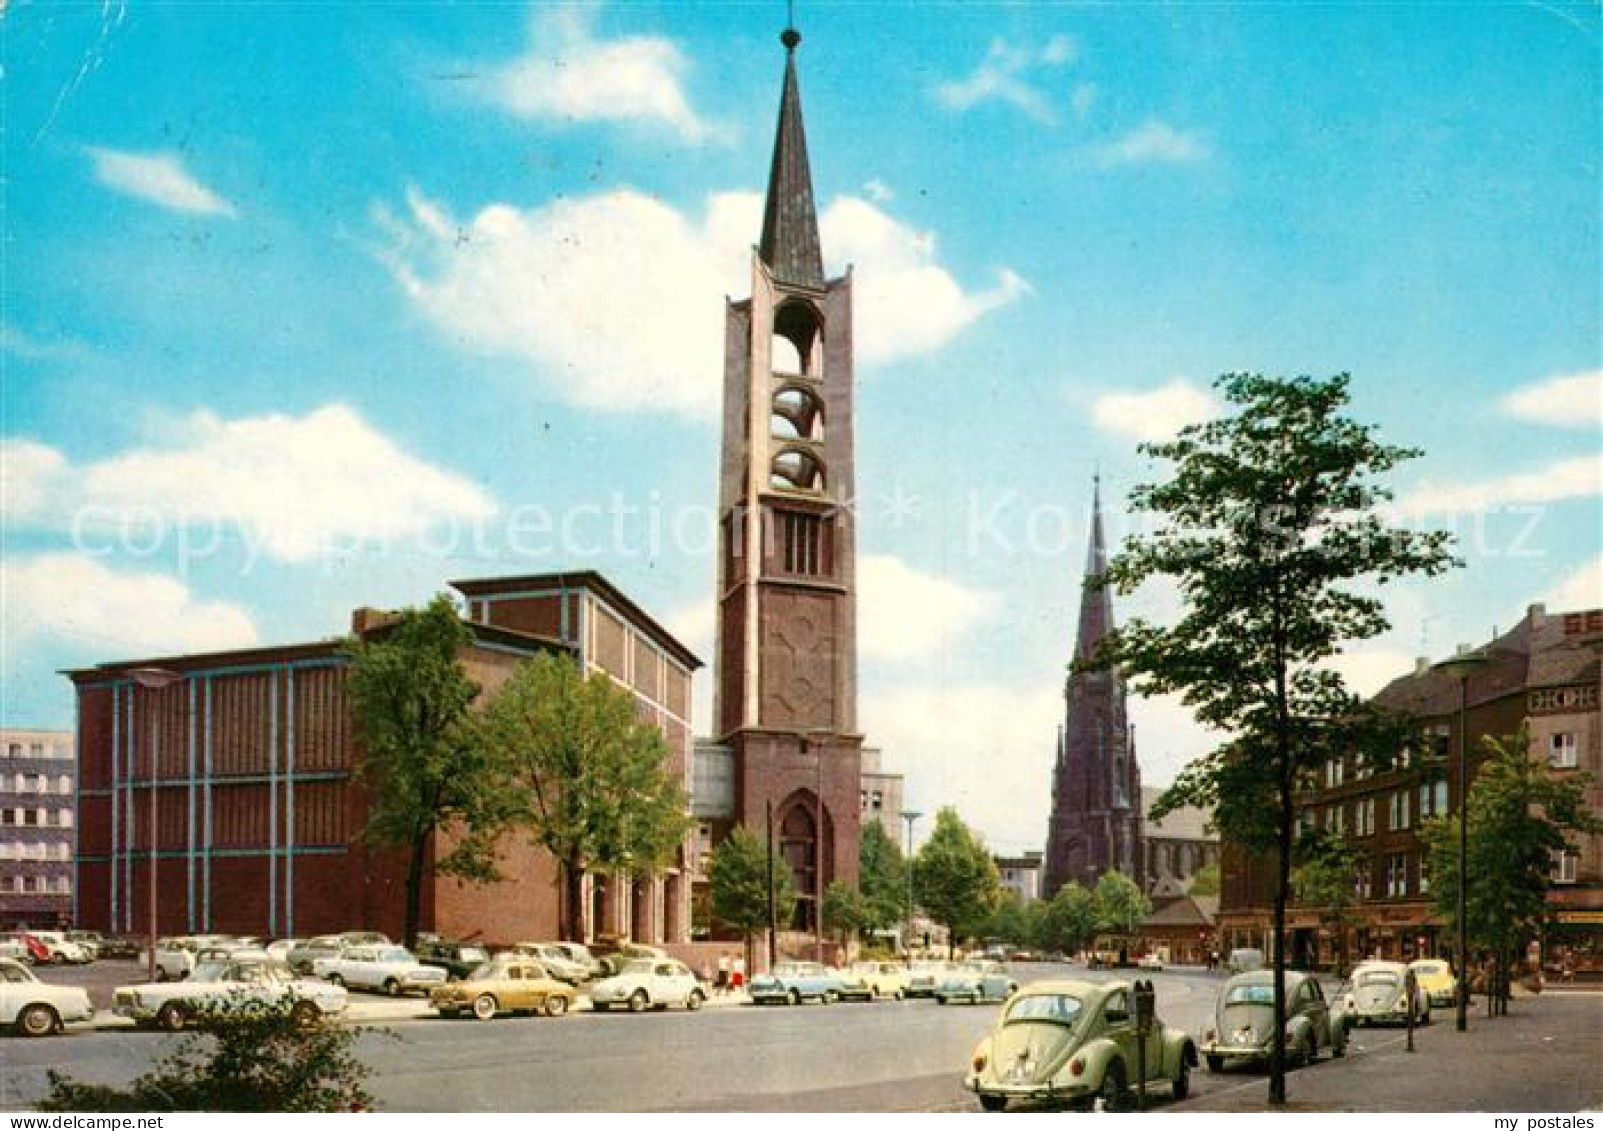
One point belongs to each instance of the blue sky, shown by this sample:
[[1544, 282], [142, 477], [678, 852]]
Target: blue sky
[[306, 308]]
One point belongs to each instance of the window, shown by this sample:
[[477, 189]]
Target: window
[[1334, 770], [1424, 877], [5, 883], [1399, 810], [14, 750], [63, 885], [1433, 797], [1564, 867], [31, 816], [64, 785], [1561, 753], [27, 883], [1335, 819], [1363, 881], [1364, 817], [1396, 875], [876, 801], [36, 750]]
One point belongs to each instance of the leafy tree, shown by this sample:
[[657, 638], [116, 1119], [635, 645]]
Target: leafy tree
[[1010, 922], [596, 782], [1326, 879], [1520, 816], [882, 879], [738, 875], [424, 767], [845, 910], [1267, 528], [246, 1056], [1204, 881], [954, 878], [1070, 919], [1121, 905]]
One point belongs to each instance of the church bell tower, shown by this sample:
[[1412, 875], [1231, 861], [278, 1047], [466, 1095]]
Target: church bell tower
[[786, 693]]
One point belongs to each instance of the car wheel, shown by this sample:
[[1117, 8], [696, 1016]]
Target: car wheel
[[899, 995], [392, 987], [599, 1007], [695, 1000], [556, 1005], [794, 997], [940, 999], [161, 974], [37, 1021], [172, 1017], [484, 1007], [638, 1001], [1112, 1091], [993, 1103], [1216, 1063], [831, 997], [335, 980], [1182, 1082], [304, 1014]]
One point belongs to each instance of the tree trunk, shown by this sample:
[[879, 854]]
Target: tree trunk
[[414, 888], [1277, 1059], [573, 901]]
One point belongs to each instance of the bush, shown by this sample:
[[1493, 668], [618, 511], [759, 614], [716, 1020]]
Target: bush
[[245, 1056]]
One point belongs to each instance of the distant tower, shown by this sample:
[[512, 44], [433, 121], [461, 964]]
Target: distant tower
[[786, 693], [1096, 784]]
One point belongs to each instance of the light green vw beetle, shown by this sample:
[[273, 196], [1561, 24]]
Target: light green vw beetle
[[1075, 1041]]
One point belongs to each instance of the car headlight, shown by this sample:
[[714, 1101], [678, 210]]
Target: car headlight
[[1402, 1003]]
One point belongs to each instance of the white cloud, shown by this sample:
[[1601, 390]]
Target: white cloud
[[613, 297], [159, 178], [1154, 415], [1578, 478], [878, 191], [568, 75], [295, 487], [1002, 76], [905, 614], [1571, 401], [1580, 591], [31, 475], [1154, 142], [75, 602]]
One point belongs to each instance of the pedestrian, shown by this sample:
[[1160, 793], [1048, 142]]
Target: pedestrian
[[737, 975], [723, 973]]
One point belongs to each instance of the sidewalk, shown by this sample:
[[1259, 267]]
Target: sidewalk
[[1543, 1057]]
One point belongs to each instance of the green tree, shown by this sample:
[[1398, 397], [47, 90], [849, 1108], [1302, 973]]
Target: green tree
[[422, 762], [1204, 881], [738, 875], [1267, 528], [596, 783], [845, 911], [1010, 922], [1326, 880], [1520, 817], [1070, 919], [245, 1056], [954, 878], [1121, 905], [882, 879]]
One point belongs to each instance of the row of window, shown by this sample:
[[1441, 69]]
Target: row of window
[[1563, 753], [37, 818], [1399, 866], [44, 885], [39, 750], [38, 783], [1403, 808], [17, 850]]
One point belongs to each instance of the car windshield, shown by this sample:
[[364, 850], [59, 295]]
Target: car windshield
[[1431, 967], [1060, 1008], [638, 966], [1250, 994], [486, 972], [473, 954], [1377, 978], [393, 954], [209, 972]]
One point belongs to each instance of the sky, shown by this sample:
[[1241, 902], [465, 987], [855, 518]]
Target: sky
[[307, 307]]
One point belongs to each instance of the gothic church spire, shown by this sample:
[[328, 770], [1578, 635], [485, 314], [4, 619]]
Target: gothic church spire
[[789, 243]]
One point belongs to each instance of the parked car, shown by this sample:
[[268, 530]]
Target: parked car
[[279, 949], [89, 940], [557, 962], [304, 953], [172, 1005], [506, 984], [1436, 979], [794, 982], [1376, 994], [866, 981], [1076, 1041], [23, 947], [1244, 1021], [36, 1009], [392, 969], [119, 946], [613, 959], [923, 978], [365, 938], [1243, 959], [175, 958], [458, 960], [580, 953], [648, 983], [975, 982], [62, 949], [1150, 961]]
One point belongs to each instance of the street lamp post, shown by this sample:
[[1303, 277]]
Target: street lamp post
[[1460, 667], [909, 815], [153, 680]]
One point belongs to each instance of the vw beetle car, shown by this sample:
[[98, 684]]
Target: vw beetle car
[[1075, 1041], [1244, 1021], [868, 980], [925, 977], [1376, 994], [793, 982], [1436, 979], [506, 984], [976, 982], [648, 983]]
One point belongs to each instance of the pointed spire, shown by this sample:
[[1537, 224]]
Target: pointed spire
[[789, 244], [1096, 605]]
